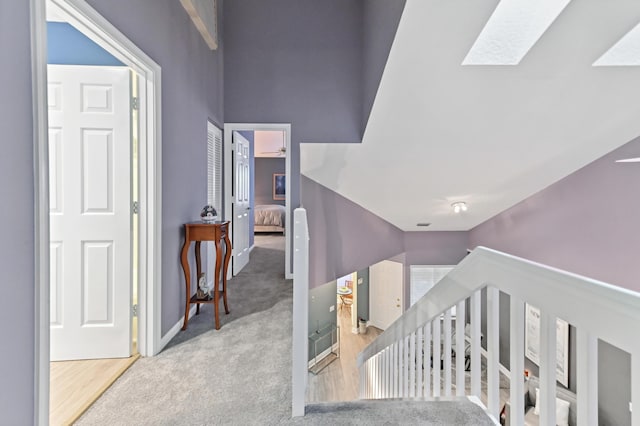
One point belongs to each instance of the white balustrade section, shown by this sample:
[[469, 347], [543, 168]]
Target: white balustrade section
[[416, 347], [300, 344]]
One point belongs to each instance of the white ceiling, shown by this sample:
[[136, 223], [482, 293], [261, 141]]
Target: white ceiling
[[268, 143], [441, 132]]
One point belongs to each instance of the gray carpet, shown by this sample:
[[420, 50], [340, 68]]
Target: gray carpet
[[241, 374]]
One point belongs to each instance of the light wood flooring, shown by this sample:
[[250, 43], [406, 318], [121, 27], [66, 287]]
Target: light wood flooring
[[75, 385], [340, 380]]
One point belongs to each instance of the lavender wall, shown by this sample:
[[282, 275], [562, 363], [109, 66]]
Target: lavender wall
[[380, 23], [265, 168], [192, 92], [298, 62], [344, 237], [586, 223], [16, 217]]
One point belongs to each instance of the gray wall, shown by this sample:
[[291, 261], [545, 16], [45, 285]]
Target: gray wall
[[344, 237], [320, 299], [17, 218], [586, 223], [363, 294], [265, 168], [380, 23], [192, 91]]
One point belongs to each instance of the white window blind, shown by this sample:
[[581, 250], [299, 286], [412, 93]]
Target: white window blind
[[423, 277], [214, 167]]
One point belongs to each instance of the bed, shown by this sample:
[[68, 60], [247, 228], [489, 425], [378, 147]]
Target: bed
[[269, 218]]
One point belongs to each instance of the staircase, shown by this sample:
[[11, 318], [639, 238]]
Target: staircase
[[399, 378]]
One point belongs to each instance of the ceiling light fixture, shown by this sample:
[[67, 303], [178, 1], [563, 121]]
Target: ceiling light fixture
[[459, 206], [423, 224]]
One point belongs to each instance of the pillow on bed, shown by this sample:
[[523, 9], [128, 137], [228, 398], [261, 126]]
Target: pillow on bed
[[562, 409]]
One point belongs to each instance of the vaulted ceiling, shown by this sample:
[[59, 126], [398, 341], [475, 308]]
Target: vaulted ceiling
[[489, 135]]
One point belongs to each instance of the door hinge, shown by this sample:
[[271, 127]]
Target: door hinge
[[135, 103], [135, 207], [134, 310]]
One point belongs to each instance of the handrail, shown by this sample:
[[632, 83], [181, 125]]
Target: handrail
[[540, 285]]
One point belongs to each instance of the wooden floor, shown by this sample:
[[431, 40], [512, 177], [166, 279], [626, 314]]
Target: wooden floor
[[340, 380], [75, 385]]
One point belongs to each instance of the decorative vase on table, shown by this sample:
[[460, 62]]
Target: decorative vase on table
[[208, 214]]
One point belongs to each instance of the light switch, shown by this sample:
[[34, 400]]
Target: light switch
[[332, 308], [360, 281]]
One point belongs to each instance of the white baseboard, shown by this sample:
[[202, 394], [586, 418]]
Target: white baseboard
[[175, 329], [323, 354], [251, 248]]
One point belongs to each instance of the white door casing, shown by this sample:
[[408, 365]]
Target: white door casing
[[90, 211], [241, 205], [386, 293]]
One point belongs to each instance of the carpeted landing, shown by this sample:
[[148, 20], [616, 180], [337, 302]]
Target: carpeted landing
[[241, 374]]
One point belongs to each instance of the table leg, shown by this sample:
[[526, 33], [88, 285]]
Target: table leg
[[227, 257], [216, 281], [187, 277], [198, 272]]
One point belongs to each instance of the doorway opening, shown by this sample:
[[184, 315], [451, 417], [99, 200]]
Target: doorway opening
[[262, 140], [143, 189]]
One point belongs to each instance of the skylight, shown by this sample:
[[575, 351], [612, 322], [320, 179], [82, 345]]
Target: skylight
[[512, 30], [626, 52]]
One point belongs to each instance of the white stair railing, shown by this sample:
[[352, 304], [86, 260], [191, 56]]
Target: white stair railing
[[404, 361]]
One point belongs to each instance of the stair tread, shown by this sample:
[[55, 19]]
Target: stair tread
[[456, 411]]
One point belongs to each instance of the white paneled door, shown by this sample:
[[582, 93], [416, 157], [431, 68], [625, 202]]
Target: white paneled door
[[241, 206], [90, 211], [386, 293]]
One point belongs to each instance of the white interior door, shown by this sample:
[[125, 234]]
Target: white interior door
[[386, 293], [241, 205], [90, 211]]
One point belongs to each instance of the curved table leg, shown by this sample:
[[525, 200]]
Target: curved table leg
[[216, 280], [198, 272], [227, 257], [187, 278]]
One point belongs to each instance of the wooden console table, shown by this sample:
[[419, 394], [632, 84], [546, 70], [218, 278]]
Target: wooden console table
[[198, 232]]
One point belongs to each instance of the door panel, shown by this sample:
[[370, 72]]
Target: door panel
[[241, 205], [90, 215], [386, 293]]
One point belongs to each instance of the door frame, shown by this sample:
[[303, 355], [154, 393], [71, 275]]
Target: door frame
[[229, 128], [101, 31]]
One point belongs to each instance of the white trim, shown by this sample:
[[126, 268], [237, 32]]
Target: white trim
[[229, 128], [41, 211], [173, 332], [98, 29], [251, 248]]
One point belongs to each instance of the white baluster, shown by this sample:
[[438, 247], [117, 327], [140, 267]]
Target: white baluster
[[401, 368], [475, 344], [405, 368], [547, 369], [412, 365], [426, 359], [396, 369], [436, 357], [447, 352], [419, 358], [516, 360], [635, 385], [587, 378], [493, 351], [361, 388], [460, 346]]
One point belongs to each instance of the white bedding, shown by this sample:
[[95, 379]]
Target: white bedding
[[270, 215]]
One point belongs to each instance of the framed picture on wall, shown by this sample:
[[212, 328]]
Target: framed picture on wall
[[279, 189]]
